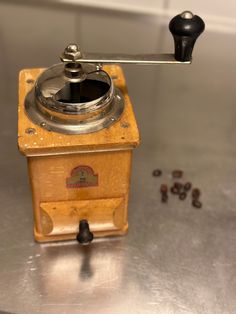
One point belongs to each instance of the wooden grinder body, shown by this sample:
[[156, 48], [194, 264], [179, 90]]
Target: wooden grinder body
[[75, 177]]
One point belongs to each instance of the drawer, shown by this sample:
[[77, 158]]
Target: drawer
[[58, 218]]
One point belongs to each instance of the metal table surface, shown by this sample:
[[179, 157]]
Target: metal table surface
[[175, 259]]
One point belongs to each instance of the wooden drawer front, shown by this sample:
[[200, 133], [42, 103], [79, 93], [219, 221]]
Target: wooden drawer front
[[63, 217]]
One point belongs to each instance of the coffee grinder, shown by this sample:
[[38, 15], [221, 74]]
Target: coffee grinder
[[77, 128]]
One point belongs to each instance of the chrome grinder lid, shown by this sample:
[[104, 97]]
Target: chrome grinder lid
[[72, 98]]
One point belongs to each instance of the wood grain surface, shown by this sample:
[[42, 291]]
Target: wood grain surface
[[52, 160]]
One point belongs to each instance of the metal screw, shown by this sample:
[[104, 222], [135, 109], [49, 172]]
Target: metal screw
[[187, 15], [72, 48], [30, 131], [71, 53], [98, 67]]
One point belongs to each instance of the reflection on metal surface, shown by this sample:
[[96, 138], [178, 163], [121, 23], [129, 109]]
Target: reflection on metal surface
[[74, 271], [86, 271]]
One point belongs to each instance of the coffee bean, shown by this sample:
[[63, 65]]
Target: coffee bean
[[164, 198], [187, 186], [178, 185], [177, 173], [164, 189], [157, 173], [196, 204], [174, 190], [182, 196], [196, 193]]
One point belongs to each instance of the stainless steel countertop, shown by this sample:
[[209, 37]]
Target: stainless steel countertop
[[175, 259]]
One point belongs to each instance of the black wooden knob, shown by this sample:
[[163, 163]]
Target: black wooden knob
[[185, 28], [84, 236]]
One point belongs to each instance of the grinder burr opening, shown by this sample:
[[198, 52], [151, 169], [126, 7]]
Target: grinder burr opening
[[74, 98]]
